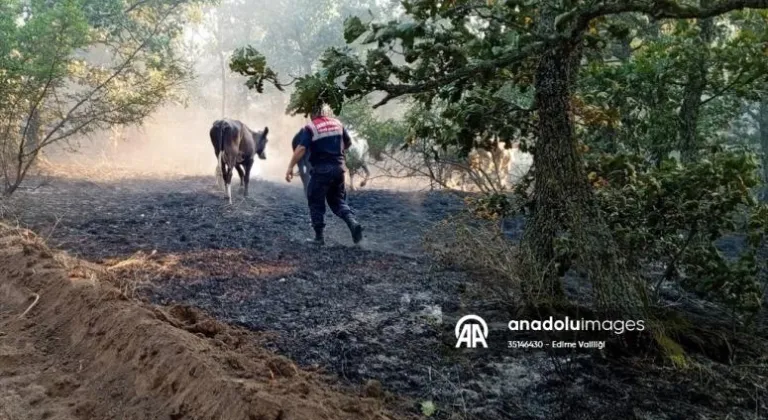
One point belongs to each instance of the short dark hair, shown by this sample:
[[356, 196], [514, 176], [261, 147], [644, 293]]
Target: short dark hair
[[317, 109]]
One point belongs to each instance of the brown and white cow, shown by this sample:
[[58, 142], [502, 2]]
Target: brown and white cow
[[235, 146]]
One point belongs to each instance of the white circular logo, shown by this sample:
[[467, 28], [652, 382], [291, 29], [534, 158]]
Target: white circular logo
[[471, 334]]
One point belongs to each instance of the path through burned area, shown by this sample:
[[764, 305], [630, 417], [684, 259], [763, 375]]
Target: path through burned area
[[373, 312]]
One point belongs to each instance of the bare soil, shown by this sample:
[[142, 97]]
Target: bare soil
[[379, 312], [74, 347]]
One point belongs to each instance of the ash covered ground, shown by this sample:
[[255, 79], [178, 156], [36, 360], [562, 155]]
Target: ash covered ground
[[375, 312]]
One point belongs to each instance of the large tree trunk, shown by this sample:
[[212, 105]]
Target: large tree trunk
[[223, 63], [564, 203], [694, 88], [763, 123]]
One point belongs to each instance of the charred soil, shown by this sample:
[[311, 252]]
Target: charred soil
[[376, 317], [72, 346]]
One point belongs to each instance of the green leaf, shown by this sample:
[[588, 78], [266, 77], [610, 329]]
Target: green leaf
[[353, 29], [428, 408]]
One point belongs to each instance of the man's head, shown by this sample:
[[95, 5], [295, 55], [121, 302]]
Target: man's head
[[317, 110], [320, 109], [260, 137]]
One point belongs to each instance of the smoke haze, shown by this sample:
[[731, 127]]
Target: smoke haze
[[174, 141]]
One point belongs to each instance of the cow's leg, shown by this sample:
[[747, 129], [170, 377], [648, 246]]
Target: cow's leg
[[240, 173], [351, 181], [217, 173], [248, 165], [227, 172], [223, 172]]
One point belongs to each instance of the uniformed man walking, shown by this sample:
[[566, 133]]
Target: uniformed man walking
[[326, 140]]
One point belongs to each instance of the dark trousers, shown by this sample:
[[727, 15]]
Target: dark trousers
[[326, 184], [304, 172]]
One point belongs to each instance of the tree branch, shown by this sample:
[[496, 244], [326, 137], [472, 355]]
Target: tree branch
[[731, 85], [658, 9], [135, 6], [397, 90], [34, 109], [116, 73]]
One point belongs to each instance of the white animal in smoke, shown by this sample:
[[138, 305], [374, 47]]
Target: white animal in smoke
[[360, 150], [500, 166]]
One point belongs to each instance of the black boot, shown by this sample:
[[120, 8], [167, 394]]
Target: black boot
[[319, 239], [355, 228]]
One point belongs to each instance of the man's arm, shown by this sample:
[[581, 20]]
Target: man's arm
[[298, 153]]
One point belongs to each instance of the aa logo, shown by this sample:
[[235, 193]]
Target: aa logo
[[471, 333]]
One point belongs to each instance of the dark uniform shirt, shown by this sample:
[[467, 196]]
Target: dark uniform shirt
[[297, 140], [326, 139]]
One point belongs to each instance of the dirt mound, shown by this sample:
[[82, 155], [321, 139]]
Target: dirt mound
[[72, 346]]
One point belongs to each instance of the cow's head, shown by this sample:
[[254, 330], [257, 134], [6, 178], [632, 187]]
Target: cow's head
[[261, 142]]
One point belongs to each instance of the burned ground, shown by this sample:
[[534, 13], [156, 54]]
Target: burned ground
[[376, 312], [82, 350]]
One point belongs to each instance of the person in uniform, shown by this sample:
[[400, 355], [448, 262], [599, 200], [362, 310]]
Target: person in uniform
[[326, 140]]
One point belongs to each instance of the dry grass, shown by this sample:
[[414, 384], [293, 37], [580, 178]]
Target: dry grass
[[132, 274], [481, 248], [20, 236], [103, 169], [126, 280]]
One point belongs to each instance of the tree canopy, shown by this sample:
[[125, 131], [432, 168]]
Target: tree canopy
[[76, 66], [626, 107]]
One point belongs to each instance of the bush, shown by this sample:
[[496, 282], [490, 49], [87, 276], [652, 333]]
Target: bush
[[671, 216], [669, 221]]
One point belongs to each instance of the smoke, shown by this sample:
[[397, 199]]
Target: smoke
[[175, 141]]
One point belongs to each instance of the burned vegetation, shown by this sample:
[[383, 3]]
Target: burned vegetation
[[579, 163]]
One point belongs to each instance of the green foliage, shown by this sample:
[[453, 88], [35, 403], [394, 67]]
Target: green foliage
[[647, 87], [491, 206], [381, 135], [314, 89], [249, 62], [428, 408], [39, 51], [353, 29], [484, 106], [674, 214], [73, 67]]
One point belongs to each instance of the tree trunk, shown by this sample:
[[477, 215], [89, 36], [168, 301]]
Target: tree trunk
[[694, 89], [564, 204], [32, 139], [223, 63], [763, 123]]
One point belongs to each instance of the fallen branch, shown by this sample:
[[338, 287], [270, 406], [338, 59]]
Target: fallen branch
[[37, 298]]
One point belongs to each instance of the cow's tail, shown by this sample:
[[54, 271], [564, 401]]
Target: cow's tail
[[220, 144], [220, 156]]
